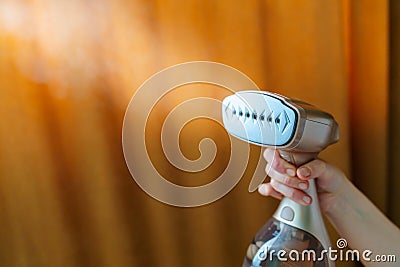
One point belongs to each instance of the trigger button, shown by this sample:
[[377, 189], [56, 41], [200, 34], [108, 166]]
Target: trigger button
[[287, 213]]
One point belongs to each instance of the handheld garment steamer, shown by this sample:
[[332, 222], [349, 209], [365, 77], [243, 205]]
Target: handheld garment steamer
[[299, 131]]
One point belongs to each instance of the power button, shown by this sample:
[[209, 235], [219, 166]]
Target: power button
[[287, 213]]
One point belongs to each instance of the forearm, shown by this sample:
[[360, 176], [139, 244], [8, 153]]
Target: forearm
[[363, 225]]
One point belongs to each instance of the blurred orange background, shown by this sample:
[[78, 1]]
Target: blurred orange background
[[69, 68]]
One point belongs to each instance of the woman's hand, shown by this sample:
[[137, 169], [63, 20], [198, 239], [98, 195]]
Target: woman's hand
[[354, 217], [289, 181]]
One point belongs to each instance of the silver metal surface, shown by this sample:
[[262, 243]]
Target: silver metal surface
[[307, 218]]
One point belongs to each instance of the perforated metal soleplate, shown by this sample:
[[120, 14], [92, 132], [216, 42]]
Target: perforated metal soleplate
[[259, 117]]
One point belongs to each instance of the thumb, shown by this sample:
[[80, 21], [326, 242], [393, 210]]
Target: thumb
[[329, 176]]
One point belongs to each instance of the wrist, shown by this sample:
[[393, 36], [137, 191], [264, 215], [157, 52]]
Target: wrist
[[335, 202]]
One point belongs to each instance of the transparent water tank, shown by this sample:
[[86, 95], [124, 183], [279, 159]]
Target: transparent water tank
[[279, 244]]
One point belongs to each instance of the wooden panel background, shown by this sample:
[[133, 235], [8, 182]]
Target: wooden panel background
[[68, 70]]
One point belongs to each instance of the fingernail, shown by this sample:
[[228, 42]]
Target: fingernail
[[303, 186], [290, 172], [307, 199], [304, 171], [262, 189]]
